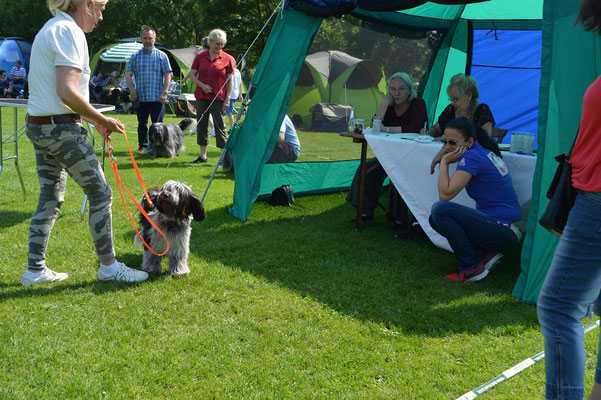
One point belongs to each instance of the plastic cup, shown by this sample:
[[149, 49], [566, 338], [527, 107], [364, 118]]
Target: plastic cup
[[376, 125]]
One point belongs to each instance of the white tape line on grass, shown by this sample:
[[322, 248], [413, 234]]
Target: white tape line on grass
[[516, 369]]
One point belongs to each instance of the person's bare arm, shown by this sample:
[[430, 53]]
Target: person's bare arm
[[166, 82], [449, 187], [133, 95], [228, 92]]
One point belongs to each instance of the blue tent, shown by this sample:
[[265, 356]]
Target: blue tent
[[13, 49]]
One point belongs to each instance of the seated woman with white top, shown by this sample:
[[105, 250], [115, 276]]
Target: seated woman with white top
[[477, 236]]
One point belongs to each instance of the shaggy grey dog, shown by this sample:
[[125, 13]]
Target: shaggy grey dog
[[174, 207], [167, 140]]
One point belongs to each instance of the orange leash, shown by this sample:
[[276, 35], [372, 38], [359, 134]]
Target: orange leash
[[120, 184]]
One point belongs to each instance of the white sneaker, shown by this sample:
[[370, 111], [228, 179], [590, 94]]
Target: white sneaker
[[492, 259], [123, 274], [46, 275]]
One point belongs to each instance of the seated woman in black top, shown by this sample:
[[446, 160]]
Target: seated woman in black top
[[463, 93], [401, 111]]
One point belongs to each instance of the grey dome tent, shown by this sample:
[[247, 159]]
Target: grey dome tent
[[334, 77]]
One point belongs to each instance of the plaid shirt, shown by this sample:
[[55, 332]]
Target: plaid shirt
[[149, 68]]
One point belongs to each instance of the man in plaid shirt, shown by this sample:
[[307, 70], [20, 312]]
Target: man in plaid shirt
[[153, 75]]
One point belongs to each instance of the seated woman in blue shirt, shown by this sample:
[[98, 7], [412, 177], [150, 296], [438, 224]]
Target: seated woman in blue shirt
[[477, 236]]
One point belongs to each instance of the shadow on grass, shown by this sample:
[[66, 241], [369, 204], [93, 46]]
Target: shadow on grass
[[11, 218], [16, 291], [369, 275]]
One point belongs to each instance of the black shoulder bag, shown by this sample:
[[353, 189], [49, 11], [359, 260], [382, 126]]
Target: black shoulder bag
[[561, 195], [282, 196]]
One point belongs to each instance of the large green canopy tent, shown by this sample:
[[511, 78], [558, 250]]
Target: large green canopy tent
[[283, 57], [571, 61]]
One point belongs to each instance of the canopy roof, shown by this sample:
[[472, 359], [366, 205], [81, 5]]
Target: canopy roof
[[437, 14], [120, 53]]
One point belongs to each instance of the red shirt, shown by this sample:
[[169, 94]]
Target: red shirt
[[586, 156], [213, 73]]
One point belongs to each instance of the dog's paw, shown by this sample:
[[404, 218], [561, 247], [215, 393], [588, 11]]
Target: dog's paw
[[179, 275]]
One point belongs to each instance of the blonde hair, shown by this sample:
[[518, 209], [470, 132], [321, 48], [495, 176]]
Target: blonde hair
[[70, 6], [218, 34], [463, 84]]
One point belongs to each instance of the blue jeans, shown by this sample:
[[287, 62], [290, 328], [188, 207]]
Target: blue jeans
[[572, 283], [471, 233], [156, 111]]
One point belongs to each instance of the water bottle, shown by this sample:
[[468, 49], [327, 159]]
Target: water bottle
[[351, 120]]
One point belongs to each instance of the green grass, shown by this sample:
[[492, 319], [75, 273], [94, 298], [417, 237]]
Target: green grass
[[293, 304]]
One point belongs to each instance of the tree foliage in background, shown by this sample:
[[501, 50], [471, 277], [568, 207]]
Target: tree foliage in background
[[183, 23], [178, 23], [396, 50]]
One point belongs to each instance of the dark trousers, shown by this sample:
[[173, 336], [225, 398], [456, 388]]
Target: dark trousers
[[156, 111], [396, 210], [202, 129], [282, 153], [471, 233]]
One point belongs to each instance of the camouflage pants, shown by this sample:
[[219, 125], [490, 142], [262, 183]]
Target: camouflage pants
[[60, 150]]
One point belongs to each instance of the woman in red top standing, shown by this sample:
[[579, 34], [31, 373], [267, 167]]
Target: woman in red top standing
[[573, 281], [211, 72]]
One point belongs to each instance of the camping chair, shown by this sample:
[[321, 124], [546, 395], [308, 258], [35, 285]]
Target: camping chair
[[175, 89], [499, 134]]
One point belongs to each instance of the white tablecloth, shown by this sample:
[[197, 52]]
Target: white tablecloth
[[407, 164]]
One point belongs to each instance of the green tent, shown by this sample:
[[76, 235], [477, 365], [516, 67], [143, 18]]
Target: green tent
[[336, 77], [569, 64], [280, 65]]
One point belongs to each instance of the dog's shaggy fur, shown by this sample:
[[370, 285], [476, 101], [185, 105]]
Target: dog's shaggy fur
[[174, 207], [167, 140]]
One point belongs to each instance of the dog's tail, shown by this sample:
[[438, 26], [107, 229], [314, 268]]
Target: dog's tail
[[187, 124]]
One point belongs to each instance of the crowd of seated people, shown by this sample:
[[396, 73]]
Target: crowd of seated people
[[14, 84]]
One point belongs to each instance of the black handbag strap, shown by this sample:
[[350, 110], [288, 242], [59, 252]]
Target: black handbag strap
[[572, 148]]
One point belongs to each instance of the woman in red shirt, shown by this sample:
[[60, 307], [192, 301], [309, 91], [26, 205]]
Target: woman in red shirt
[[573, 281], [211, 72]]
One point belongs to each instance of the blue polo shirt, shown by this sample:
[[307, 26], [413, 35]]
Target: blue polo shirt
[[149, 69], [490, 186]]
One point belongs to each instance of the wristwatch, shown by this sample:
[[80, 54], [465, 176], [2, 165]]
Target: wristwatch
[[165, 93]]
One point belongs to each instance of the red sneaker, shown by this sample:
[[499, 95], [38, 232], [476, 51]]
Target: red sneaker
[[471, 275]]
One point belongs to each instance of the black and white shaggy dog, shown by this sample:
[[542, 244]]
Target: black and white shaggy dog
[[174, 207], [167, 140]]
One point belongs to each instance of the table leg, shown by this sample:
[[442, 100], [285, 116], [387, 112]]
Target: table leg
[[361, 183]]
